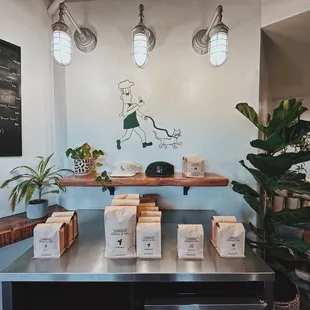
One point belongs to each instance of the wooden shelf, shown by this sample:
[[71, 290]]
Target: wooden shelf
[[140, 179]]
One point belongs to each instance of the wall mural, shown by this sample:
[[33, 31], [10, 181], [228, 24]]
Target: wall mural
[[130, 112]]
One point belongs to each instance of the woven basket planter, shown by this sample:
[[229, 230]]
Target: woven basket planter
[[288, 305]]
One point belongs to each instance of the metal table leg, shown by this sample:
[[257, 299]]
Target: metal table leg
[[268, 294], [7, 302]]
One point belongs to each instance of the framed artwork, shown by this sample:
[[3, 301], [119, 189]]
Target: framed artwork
[[10, 100]]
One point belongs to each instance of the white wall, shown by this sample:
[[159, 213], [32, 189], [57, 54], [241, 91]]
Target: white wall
[[180, 90], [26, 23], [276, 10]]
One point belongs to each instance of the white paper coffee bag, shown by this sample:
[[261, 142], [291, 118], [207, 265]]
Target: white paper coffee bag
[[148, 240], [230, 239], [190, 241], [48, 240], [120, 231]]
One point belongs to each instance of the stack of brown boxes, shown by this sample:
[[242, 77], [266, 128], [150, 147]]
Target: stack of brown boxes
[[56, 234]]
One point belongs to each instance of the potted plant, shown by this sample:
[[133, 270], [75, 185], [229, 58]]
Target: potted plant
[[85, 159], [277, 169], [40, 181]]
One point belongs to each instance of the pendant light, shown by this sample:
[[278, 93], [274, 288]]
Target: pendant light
[[213, 40], [143, 41], [62, 46]]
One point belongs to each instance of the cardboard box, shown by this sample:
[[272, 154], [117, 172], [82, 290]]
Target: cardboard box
[[68, 221], [49, 240], [74, 217], [193, 167]]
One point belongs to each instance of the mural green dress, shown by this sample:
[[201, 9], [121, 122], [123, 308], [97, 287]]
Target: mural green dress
[[130, 121]]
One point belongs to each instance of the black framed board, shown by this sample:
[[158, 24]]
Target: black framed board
[[10, 100]]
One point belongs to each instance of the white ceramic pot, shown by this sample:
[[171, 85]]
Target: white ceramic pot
[[82, 167]]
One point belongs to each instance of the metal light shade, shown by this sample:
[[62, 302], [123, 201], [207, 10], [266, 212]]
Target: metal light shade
[[218, 45], [143, 43], [61, 44]]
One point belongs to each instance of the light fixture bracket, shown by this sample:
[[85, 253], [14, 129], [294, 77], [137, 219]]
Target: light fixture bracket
[[200, 42], [85, 41]]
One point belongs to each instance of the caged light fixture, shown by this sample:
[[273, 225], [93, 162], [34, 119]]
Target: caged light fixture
[[62, 48], [143, 41], [213, 40]]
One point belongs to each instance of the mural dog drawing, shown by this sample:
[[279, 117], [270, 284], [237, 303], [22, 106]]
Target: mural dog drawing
[[169, 140]]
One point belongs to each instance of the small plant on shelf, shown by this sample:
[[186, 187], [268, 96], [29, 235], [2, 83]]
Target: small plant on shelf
[[43, 180], [85, 159]]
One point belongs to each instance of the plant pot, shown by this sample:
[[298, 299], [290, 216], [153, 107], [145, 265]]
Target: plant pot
[[286, 294], [278, 203], [292, 203], [82, 167], [36, 209]]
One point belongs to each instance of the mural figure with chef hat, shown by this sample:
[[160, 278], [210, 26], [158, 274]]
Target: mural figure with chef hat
[[131, 111]]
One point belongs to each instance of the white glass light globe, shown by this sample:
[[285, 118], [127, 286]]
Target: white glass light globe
[[61, 47], [140, 49], [218, 49]]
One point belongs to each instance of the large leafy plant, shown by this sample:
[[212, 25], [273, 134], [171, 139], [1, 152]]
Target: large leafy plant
[[42, 180], [277, 169]]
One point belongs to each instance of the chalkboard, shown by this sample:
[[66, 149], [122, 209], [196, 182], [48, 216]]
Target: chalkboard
[[10, 100]]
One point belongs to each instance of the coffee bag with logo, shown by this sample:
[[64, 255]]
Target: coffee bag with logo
[[69, 229], [49, 240], [219, 219], [120, 231], [230, 239], [148, 240], [190, 241]]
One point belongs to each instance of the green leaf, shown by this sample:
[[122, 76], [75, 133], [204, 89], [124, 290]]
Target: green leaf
[[104, 174], [104, 189], [15, 178], [56, 191], [23, 189], [257, 231], [45, 163], [277, 165], [68, 152], [294, 182], [98, 179], [294, 218], [107, 179], [295, 244], [243, 189], [99, 164], [283, 138], [100, 152], [252, 116], [264, 180], [34, 173], [13, 202], [286, 113], [29, 193]]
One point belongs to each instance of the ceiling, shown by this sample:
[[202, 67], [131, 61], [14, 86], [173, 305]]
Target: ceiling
[[287, 49]]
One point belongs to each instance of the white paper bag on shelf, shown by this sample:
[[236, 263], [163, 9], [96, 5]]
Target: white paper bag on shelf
[[125, 202], [49, 240], [219, 219], [148, 240], [230, 239], [120, 231], [190, 241]]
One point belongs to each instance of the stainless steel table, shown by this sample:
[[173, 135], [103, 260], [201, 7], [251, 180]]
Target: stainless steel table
[[85, 261]]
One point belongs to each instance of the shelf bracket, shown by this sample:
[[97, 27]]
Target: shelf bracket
[[185, 190], [111, 190]]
